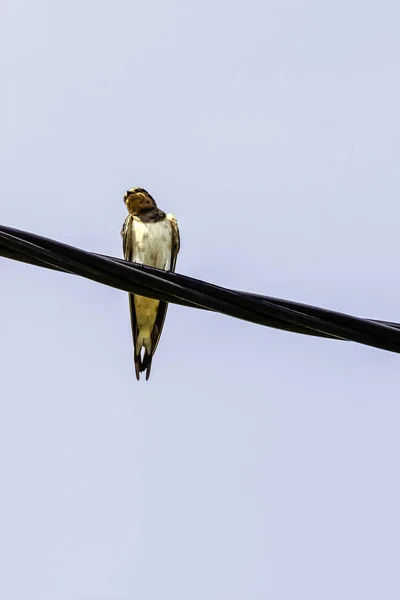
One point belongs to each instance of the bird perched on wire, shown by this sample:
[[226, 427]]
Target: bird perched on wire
[[150, 237]]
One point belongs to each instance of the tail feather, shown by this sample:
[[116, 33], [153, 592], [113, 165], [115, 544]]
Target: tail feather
[[146, 362], [143, 364], [137, 366]]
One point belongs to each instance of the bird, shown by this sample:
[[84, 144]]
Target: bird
[[149, 237]]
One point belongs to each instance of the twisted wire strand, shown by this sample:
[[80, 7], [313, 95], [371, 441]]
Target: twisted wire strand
[[187, 291]]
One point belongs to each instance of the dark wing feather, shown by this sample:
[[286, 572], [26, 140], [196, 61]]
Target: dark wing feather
[[128, 240], [162, 309], [176, 241]]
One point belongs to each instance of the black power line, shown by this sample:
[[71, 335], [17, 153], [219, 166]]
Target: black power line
[[187, 291]]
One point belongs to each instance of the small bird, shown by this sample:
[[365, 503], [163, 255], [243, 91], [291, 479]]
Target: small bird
[[150, 237]]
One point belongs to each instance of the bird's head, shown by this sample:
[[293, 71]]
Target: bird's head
[[137, 201]]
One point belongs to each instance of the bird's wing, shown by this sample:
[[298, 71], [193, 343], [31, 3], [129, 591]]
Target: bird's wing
[[162, 309], [128, 243], [176, 240]]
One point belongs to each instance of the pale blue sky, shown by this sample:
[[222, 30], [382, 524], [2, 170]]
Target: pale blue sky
[[255, 463]]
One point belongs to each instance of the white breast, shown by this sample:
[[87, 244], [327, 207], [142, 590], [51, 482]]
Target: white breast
[[153, 242]]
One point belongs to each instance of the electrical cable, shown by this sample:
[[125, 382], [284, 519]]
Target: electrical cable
[[186, 291]]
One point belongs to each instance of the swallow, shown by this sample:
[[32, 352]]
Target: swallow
[[149, 237]]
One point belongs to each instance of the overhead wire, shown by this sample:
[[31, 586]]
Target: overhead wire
[[187, 291]]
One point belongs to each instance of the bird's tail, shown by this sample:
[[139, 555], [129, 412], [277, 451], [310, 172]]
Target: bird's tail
[[143, 363]]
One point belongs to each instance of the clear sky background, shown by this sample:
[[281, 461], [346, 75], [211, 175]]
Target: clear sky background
[[255, 463]]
